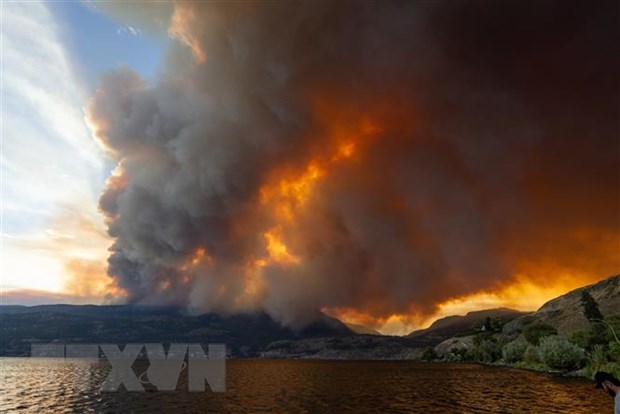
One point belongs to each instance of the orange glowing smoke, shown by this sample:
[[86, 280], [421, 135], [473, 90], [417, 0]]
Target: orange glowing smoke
[[277, 249], [195, 262], [288, 191], [200, 257]]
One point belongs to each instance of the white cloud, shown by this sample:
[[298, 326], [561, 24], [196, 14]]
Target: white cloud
[[51, 167], [128, 30]]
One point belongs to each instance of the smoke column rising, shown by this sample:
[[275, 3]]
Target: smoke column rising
[[381, 157]]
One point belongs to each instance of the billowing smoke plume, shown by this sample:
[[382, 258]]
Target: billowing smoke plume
[[376, 156]]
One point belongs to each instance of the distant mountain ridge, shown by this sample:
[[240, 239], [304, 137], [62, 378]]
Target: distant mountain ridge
[[451, 326], [244, 334], [362, 329], [258, 335]]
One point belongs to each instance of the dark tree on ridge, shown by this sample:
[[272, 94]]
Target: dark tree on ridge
[[590, 307]]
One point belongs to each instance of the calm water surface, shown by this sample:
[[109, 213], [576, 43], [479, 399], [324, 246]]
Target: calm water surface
[[303, 386]]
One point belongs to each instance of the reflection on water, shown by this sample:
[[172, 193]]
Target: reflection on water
[[303, 386]]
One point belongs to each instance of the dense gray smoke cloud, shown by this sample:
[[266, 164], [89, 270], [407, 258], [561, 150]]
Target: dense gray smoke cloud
[[377, 156]]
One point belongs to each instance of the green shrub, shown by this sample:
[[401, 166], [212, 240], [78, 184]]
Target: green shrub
[[514, 351], [488, 351], [597, 357], [531, 355], [580, 338], [455, 355], [598, 333], [493, 325], [614, 325], [614, 351], [559, 353], [429, 354], [534, 332], [613, 368], [483, 336]]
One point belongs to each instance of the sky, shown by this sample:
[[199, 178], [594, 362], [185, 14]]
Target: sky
[[386, 163], [53, 171]]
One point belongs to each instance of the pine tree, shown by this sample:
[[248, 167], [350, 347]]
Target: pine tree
[[590, 307]]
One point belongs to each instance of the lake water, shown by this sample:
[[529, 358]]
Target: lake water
[[304, 386]]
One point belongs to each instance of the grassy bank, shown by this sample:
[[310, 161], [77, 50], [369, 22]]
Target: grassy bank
[[539, 347]]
